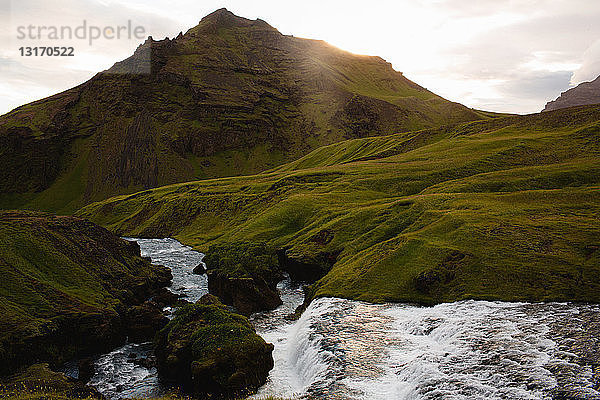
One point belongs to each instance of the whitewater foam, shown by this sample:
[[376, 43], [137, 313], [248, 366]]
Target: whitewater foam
[[342, 349]]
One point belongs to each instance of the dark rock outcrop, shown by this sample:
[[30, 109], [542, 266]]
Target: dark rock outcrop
[[247, 295], [306, 268], [244, 275], [312, 260], [85, 369], [212, 353], [146, 362], [583, 94], [199, 269], [433, 280], [143, 321], [164, 298]]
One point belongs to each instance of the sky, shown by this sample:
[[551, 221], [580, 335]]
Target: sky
[[497, 55]]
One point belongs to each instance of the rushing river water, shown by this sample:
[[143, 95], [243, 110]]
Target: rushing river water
[[119, 373], [341, 349]]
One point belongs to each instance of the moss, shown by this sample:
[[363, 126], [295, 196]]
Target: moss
[[207, 350], [243, 260], [219, 101], [39, 382]]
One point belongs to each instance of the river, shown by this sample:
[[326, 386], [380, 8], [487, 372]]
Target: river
[[342, 349]]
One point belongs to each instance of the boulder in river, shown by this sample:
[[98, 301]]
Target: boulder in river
[[165, 298], [212, 353], [247, 295], [199, 269], [143, 321], [244, 275]]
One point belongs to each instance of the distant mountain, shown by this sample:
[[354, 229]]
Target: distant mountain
[[231, 96], [583, 94]]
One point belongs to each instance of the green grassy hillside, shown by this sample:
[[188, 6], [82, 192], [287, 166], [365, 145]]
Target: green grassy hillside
[[502, 209], [229, 97], [66, 286]]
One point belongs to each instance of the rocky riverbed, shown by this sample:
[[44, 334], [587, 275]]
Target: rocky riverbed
[[342, 349]]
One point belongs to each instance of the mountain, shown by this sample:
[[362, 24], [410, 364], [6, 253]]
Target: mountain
[[583, 94], [229, 97], [503, 209]]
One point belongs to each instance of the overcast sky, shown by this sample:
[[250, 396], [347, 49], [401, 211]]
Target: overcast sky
[[498, 55]]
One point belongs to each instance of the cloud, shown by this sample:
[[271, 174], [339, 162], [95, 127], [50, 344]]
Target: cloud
[[536, 85], [533, 89], [26, 79], [549, 39], [502, 55], [590, 67], [521, 65]]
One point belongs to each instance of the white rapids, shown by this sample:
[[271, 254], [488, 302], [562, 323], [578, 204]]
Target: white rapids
[[116, 374], [182, 260], [341, 349]]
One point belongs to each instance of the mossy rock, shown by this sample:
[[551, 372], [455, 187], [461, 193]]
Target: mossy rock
[[244, 275], [245, 260], [212, 353]]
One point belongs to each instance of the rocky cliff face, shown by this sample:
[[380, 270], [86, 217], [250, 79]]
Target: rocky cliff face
[[583, 94], [231, 96], [70, 288]]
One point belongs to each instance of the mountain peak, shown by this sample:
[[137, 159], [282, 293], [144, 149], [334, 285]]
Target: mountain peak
[[223, 18], [221, 13], [229, 85]]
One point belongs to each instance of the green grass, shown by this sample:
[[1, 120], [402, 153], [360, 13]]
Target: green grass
[[501, 209], [243, 260], [67, 193]]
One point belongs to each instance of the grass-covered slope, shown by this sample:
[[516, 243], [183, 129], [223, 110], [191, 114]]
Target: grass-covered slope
[[229, 97], [65, 287], [501, 209]]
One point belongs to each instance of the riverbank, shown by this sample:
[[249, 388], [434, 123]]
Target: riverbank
[[69, 289]]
